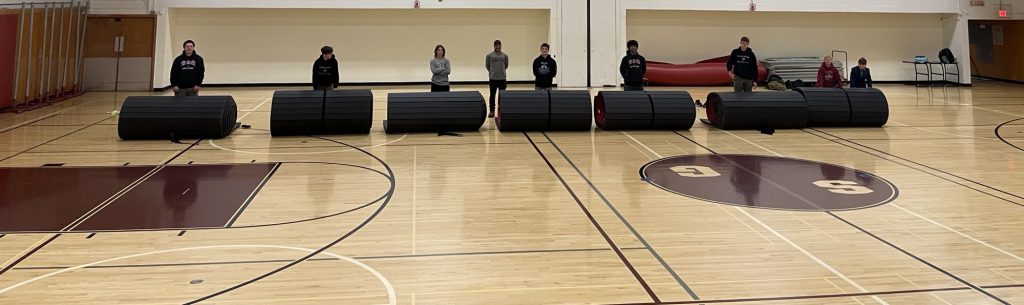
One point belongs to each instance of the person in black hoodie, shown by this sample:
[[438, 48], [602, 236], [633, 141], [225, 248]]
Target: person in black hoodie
[[633, 68], [742, 66], [187, 71], [325, 70], [860, 76], [544, 68]]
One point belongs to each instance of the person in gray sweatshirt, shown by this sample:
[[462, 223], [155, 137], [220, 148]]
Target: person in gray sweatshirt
[[496, 64], [440, 67]]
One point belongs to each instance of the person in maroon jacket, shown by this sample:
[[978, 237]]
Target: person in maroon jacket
[[828, 75]]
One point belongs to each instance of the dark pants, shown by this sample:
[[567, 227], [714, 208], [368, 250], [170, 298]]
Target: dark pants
[[496, 84], [628, 87], [740, 84], [439, 88], [325, 87], [186, 92]]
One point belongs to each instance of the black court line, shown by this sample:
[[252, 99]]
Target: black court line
[[252, 196], [838, 140], [26, 255], [929, 139], [923, 261], [890, 244], [597, 225], [52, 140], [614, 210], [815, 296], [182, 152], [695, 142], [384, 204], [1001, 138], [53, 114], [329, 259]]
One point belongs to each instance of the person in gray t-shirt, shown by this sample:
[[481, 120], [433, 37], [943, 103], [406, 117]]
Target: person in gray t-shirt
[[440, 67], [496, 64]]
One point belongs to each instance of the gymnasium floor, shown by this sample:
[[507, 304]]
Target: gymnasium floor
[[515, 218]]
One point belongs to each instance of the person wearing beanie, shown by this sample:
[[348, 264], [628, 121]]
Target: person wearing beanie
[[325, 70]]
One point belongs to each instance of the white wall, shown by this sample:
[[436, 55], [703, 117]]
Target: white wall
[[568, 32], [372, 45], [847, 6], [884, 39]]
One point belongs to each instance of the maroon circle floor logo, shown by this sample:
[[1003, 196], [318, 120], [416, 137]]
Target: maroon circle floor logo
[[769, 182]]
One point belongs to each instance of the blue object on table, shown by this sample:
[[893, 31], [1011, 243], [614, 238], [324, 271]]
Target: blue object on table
[[921, 59]]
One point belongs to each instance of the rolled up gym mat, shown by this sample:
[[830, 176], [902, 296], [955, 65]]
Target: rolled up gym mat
[[523, 110], [868, 107], [615, 110], [570, 110], [826, 107], [435, 111], [348, 111], [756, 110], [297, 113], [169, 117], [672, 110]]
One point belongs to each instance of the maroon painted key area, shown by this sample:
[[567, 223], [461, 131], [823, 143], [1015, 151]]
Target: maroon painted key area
[[51, 198], [185, 196]]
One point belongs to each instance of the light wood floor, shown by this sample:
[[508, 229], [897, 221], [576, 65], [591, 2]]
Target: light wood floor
[[486, 219]]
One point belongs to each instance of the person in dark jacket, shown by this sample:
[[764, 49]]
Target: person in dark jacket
[[742, 66], [828, 75], [544, 68], [325, 70], [187, 71], [633, 68], [860, 76]]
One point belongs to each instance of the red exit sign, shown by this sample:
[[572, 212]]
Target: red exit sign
[[1003, 14]]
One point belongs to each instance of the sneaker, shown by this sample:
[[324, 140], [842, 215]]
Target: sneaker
[[490, 115]]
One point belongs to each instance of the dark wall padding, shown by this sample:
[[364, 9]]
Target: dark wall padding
[[169, 117], [868, 107], [542, 110], [826, 107], [757, 110], [435, 111], [297, 113], [348, 111], [640, 110], [313, 112]]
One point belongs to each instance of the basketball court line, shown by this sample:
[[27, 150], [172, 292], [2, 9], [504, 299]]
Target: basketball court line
[[367, 258], [95, 209], [30, 122], [392, 296], [608, 239], [679, 280], [933, 266], [252, 195], [787, 240], [54, 139], [384, 204], [837, 139]]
